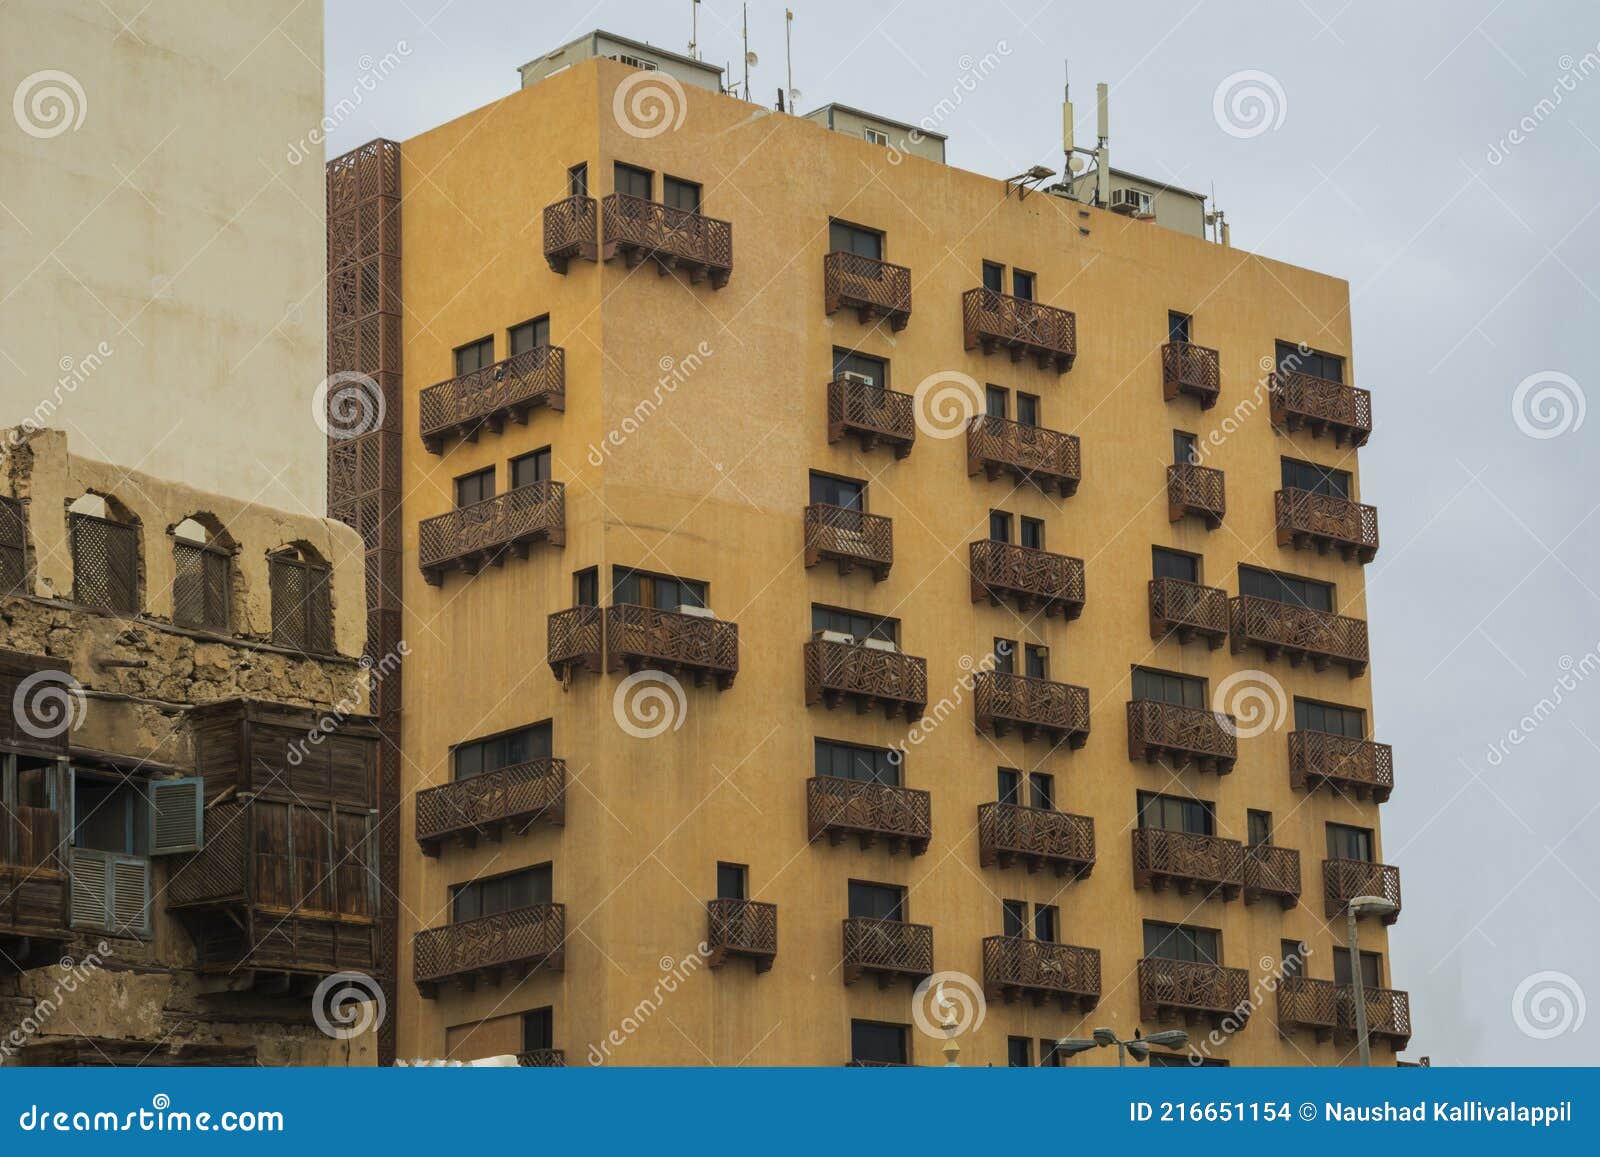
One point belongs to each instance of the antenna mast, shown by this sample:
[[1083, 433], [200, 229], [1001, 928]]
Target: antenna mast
[[694, 29], [788, 59]]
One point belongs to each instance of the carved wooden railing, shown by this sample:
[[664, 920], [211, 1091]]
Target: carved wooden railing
[[887, 947], [573, 640], [542, 1059], [997, 320], [1009, 832], [1299, 633], [1357, 766], [1186, 988], [1190, 369], [1187, 861], [1271, 872], [639, 637], [898, 816], [1327, 522], [1032, 706], [1187, 611], [849, 538], [469, 536], [1388, 1013], [512, 796], [872, 288], [1033, 578], [1304, 1003], [742, 928], [1015, 966], [870, 677], [507, 389], [1180, 736], [570, 226], [637, 228], [1031, 454], [1344, 880], [873, 414], [1196, 490], [1322, 406], [521, 939]]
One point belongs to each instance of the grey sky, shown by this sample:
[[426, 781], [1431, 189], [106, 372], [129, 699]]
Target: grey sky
[[1468, 274]]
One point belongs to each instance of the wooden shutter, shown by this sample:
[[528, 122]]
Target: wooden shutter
[[130, 895], [13, 545], [91, 888], [105, 563], [177, 815], [200, 586], [302, 610]]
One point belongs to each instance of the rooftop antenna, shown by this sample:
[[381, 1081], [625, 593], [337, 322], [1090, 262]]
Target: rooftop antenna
[[694, 29], [788, 60], [1102, 152], [749, 57]]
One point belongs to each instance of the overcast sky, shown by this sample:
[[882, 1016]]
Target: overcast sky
[[1474, 265]]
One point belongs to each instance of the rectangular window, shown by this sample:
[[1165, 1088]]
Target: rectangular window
[[851, 761], [834, 491], [994, 277], [1022, 285], [1050, 1057], [633, 181], [475, 487], [662, 592], [875, 371], [1186, 1061], [530, 468], [1178, 325], [496, 894], [1179, 690], [1008, 788], [530, 335], [1042, 790], [1348, 843], [875, 1043], [732, 882], [1005, 651], [1014, 918], [1298, 475], [1371, 968], [999, 526], [1032, 535], [1293, 954], [874, 136], [1019, 1052], [1027, 409], [511, 747], [846, 238], [1314, 362], [474, 356], [1285, 588], [858, 626], [578, 180], [1174, 813], [1182, 942], [876, 901], [1258, 827], [1046, 922], [1036, 661], [586, 587], [994, 401], [538, 1030], [680, 194], [1183, 451], [1310, 715], [201, 578], [1175, 564]]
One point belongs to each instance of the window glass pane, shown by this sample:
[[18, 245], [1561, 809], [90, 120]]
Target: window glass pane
[[846, 492], [1014, 917], [1043, 792], [1182, 447], [474, 356], [1022, 285], [530, 468], [1032, 533], [1259, 824], [1307, 593], [1005, 651], [1176, 565], [634, 182], [870, 1041], [1317, 479], [994, 277], [876, 370], [1348, 843], [1038, 661], [578, 181], [1019, 1052], [875, 901], [529, 334], [730, 882], [476, 487], [1177, 326], [1044, 923], [625, 586], [994, 401], [680, 194], [1027, 410], [1008, 787], [843, 238], [586, 587], [999, 526], [538, 1030]]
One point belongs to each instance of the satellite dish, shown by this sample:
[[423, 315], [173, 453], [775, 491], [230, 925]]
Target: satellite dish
[[751, 59], [794, 98], [1075, 164]]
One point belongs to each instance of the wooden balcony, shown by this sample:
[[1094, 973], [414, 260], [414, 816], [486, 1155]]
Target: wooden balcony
[[745, 928], [1195, 490], [506, 946], [1298, 633], [1347, 766], [542, 1059], [1272, 873], [467, 538], [513, 798], [33, 887], [1189, 991], [1035, 837], [1187, 861], [574, 641], [1388, 1014], [1188, 611], [1344, 880], [1326, 522], [1016, 967], [1024, 328], [464, 406], [1033, 579], [872, 414], [1031, 455], [637, 230], [901, 817], [1301, 400], [1307, 1005], [1181, 737], [887, 949], [849, 538], [570, 226], [1190, 369], [866, 676], [872, 288], [643, 637], [1033, 707]]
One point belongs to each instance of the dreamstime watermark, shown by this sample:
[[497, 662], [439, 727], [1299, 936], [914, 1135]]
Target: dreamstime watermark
[[74, 373], [948, 1004], [1548, 404], [49, 703], [347, 404], [372, 73], [674, 373], [48, 103], [349, 1004], [648, 103], [1276, 973], [934, 717], [649, 703], [350, 703], [1548, 1004], [972, 72], [674, 973], [70, 974], [1249, 103], [1250, 703], [1245, 408], [945, 403], [1572, 74], [1573, 674]]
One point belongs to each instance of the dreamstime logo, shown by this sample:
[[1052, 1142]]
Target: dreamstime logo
[[49, 103], [1548, 1004], [649, 703], [674, 373], [48, 704], [945, 402], [70, 974], [649, 103], [1249, 103], [347, 405], [348, 1004], [1250, 703], [674, 973], [948, 1004], [1548, 404], [372, 72]]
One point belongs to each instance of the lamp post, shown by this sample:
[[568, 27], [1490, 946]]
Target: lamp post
[[1139, 1046], [1356, 908]]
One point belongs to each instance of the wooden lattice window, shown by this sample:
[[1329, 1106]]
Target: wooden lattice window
[[202, 573], [302, 602], [13, 545], [105, 563]]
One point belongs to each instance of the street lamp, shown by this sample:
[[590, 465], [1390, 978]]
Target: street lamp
[[1356, 908], [1139, 1046]]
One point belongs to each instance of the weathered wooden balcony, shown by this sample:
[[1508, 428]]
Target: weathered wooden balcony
[[462, 407], [1015, 967], [1272, 873], [1033, 579], [1326, 522], [887, 949], [1342, 412], [747, 928], [508, 945], [872, 414], [849, 538], [1186, 861], [898, 817], [1347, 766], [574, 641], [542, 1059], [1032, 455], [1190, 991], [1344, 880], [1298, 633], [638, 230], [1181, 736], [1033, 707], [643, 637], [570, 226], [512, 797], [866, 676], [467, 538], [33, 886], [1024, 328], [1196, 490], [1035, 837], [1190, 369], [1388, 1014], [1188, 611], [1308, 1005], [872, 288]]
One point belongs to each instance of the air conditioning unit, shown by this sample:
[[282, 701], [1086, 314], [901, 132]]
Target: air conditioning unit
[[696, 612], [858, 379], [879, 644], [834, 637], [1131, 201]]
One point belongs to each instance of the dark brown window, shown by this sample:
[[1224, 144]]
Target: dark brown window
[[1293, 954], [529, 335], [874, 370], [1286, 588], [1348, 843], [1050, 1056], [1163, 687], [876, 1043], [999, 526], [1022, 284], [475, 487], [1174, 813], [832, 490], [633, 181], [1175, 564], [733, 882], [1019, 1052], [855, 624], [1004, 653], [504, 750], [1178, 326], [1042, 790], [302, 602], [1182, 942], [1036, 661], [877, 901], [1032, 535], [202, 575], [994, 401], [1027, 409], [586, 587], [1046, 922], [105, 563], [530, 468], [1014, 918], [1291, 358], [1183, 448], [474, 355], [1309, 715], [1298, 475], [496, 894], [680, 194], [578, 180], [851, 761], [1258, 827], [662, 592], [846, 238], [994, 277], [1371, 968], [1008, 789], [538, 1030]]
